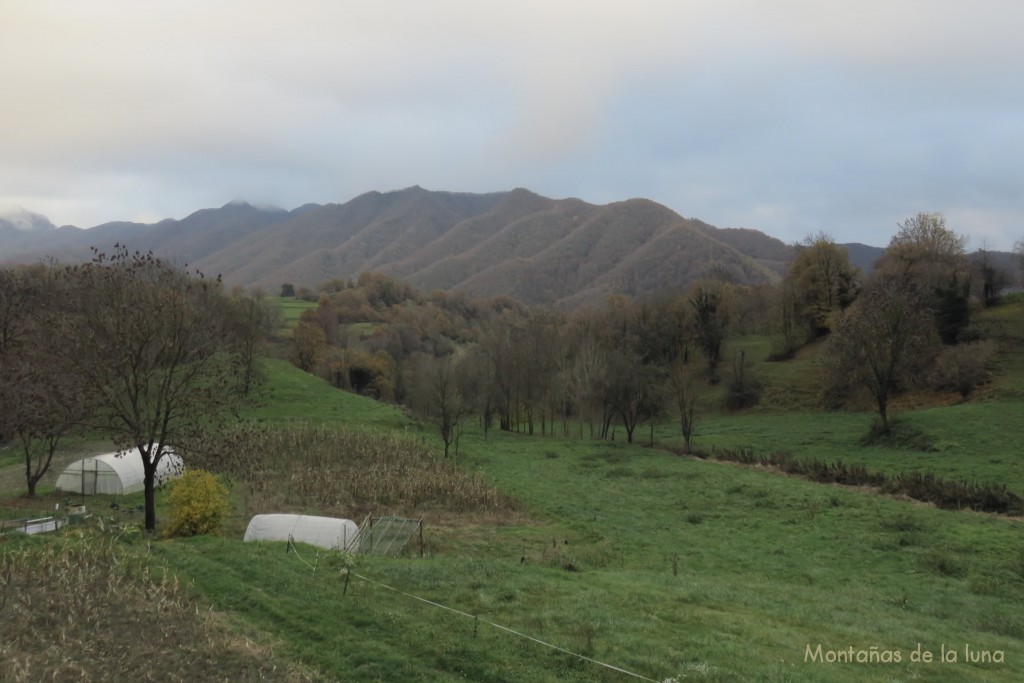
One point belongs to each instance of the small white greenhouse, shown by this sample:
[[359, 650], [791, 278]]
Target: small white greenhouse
[[115, 474], [325, 532]]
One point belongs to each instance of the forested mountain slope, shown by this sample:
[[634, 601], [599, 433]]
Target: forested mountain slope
[[561, 252]]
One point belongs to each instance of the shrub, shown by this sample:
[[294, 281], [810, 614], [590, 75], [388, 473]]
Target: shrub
[[923, 486], [199, 503], [963, 367], [944, 563], [783, 349], [744, 389], [898, 434]]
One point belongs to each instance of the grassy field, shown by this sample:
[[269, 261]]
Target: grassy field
[[662, 566], [972, 441], [290, 308], [292, 395]]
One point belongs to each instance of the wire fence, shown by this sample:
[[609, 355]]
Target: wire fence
[[476, 619], [387, 535]]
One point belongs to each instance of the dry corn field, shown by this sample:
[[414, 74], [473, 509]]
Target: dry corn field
[[351, 474], [88, 607]]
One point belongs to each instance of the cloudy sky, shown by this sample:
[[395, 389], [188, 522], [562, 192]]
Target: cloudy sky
[[788, 116]]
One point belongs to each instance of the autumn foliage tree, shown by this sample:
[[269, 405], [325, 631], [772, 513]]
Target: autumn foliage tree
[[820, 282], [199, 503], [307, 346], [928, 256]]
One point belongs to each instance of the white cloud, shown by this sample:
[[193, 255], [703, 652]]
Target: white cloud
[[844, 114]]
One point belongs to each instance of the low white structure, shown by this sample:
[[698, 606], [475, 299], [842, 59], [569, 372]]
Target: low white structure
[[113, 473], [325, 532], [33, 526]]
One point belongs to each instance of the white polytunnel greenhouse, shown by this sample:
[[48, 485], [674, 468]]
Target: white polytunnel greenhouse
[[115, 473], [325, 532]]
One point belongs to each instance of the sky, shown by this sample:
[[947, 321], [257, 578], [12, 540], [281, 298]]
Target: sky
[[793, 117]]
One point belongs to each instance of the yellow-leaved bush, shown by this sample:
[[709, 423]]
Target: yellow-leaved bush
[[198, 502]]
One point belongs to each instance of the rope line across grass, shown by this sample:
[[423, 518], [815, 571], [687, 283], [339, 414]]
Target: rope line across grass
[[293, 549], [506, 628]]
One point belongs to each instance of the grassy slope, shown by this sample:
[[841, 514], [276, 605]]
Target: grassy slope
[[291, 308], [972, 441], [767, 565], [294, 395]]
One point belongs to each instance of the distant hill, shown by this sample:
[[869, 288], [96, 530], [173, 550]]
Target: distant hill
[[562, 252], [517, 243], [862, 256], [23, 221]]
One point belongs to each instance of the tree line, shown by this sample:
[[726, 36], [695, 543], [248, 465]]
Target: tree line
[[610, 370], [127, 347], [154, 357]]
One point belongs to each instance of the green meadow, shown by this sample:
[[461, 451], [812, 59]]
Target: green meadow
[[290, 308], [666, 567], [622, 562]]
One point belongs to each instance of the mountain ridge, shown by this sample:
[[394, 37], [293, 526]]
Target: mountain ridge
[[561, 252]]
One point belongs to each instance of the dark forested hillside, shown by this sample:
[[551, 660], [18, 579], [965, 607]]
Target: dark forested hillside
[[539, 250]]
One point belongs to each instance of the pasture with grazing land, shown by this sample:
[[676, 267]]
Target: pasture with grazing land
[[554, 559]]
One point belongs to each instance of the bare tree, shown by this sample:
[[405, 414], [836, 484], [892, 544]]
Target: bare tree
[[157, 349], [438, 397], [881, 342], [633, 390], [685, 391], [710, 320], [991, 278], [1018, 249], [40, 401], [254, 322], [926, 234], [476, 382], [586, 364]]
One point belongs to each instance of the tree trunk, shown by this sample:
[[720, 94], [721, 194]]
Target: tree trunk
[[149, 464], [150, 492], [29, 479]]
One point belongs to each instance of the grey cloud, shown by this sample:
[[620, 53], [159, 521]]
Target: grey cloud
[[790, 117]]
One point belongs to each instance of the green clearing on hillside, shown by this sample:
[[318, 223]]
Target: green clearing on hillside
[[291, 309], [295, 395]]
